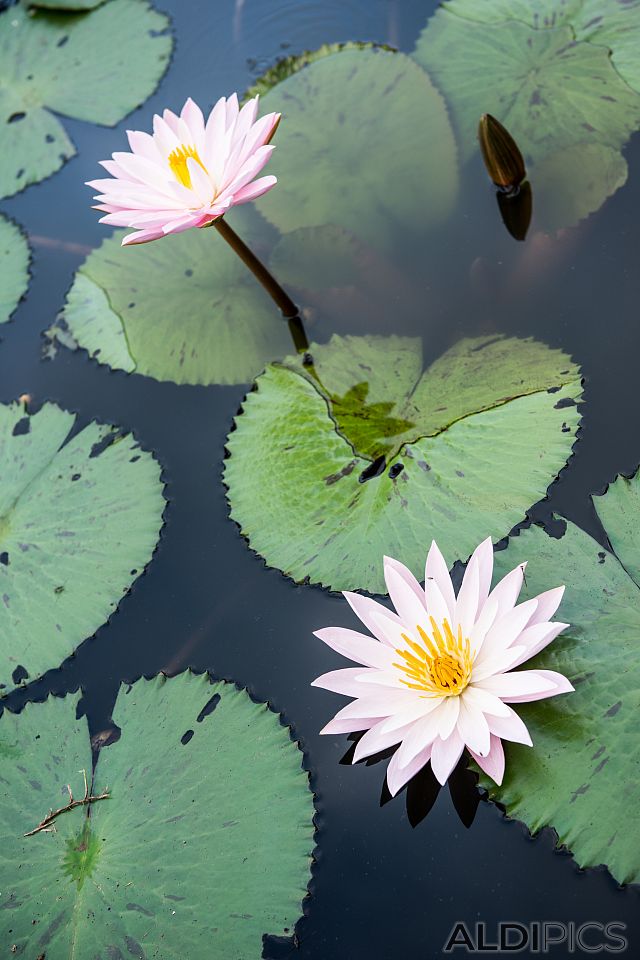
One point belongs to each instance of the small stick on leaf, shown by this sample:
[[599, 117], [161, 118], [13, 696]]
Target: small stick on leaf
[[47, 825]]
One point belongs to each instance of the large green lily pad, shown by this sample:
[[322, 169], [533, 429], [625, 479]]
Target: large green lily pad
[[469, 446], [79, 520], [562, 100], [203, 846], [14, 267], [611, 23], [583, 775], [93, 66], [184, 308], [365, 144]]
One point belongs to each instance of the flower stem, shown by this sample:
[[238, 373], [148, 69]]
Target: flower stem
[[258, 269]]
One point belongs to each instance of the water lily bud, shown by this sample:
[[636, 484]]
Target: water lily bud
[[500, 152]]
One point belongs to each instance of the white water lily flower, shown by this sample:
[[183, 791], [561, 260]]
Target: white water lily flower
[[440, 674]]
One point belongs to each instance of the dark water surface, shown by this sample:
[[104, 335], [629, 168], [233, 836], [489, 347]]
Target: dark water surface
[[381, 889]]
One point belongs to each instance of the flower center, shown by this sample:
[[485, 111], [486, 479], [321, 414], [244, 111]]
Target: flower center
[[178, 163], [441, 665]]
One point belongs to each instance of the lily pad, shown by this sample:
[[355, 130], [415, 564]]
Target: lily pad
[[611, 23], [552, 93], [582, 777], [45, 70], [14, 267], [203, 846], [80, 516], [184, 308], [68, 5], [468, 446], [338, 159]]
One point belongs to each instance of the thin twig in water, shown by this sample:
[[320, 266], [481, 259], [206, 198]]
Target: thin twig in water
[[47, 825]]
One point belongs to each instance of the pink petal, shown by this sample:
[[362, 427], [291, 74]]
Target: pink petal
[[402, 591], [560, 685], [483, 555], [487, 702], [342, 681], [366, 610], [467, 601], [527, 683], [375, 740], [536, 638], [437, 606], [419, 708], [506, 631], [472, 727], [548, 603], [448, 715], [361, 710], [421, 734], [397, 777], [436, 569], [165, 139], [493, 763], [350, 725], [191, 114], [200, 182], [355, 646], [144, 145], [506, 592], [495, 665], [254, 190], [510, 728], [445, 755], [142, 236], [483, 624]]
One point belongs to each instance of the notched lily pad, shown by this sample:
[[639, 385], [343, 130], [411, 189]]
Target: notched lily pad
[[555, 95], [582, 776], [365, 454], [184, 308], [80, 517], [611, 23], [14, 267], [46, 69], [203, 846], [338, 160]]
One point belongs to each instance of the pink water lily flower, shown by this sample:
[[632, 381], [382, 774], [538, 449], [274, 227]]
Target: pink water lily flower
[[189, 172], [440, 674]]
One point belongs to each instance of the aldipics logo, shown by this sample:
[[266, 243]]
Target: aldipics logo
[[537, 937]]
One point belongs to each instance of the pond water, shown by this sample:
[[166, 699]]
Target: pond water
[[381, 887]]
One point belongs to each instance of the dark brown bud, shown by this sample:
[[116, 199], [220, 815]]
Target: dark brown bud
[[500, 152]]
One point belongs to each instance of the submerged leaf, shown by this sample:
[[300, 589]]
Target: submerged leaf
[[363, 454], [203, 846], [79, 520], [582, 775], [45, 70], [14, 267], [184, 308], [553, 94], [611, 23], [364, 144]]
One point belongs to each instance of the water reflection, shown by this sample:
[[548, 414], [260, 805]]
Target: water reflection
[[423, 789]]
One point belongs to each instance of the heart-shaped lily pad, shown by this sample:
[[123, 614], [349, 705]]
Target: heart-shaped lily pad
[[80, 516], [583, 775], [552, 93], [184, 309], [203, 845], [93, 66], [14, 267], [611, 23], [365, 144], [364, 454]]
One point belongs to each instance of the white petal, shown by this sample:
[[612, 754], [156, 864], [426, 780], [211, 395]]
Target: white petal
[[467, 601], [420, 707], [397, 778], [548, 603], [506, 630], [436, 569], [410, 607], [493, 763], [342, 681], [536, 638], [374, 741], [560, 685], [495, 665], [483, 555], [507, 591], [485, 701], [367, 611], [420, 735], [510, 728], [473, 727], [357, 647], [519, 683], [445, 755]]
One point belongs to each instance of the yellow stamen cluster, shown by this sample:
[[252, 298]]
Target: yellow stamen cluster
[[178, 163], [441, 665]]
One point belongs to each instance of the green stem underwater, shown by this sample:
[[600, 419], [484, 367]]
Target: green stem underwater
[[260, 272]]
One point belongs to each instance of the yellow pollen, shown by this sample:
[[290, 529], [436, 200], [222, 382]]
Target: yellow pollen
[[178, 163], [441, 665]]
